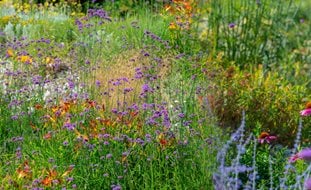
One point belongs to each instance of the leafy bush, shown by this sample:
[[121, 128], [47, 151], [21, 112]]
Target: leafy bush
[[268, 100]]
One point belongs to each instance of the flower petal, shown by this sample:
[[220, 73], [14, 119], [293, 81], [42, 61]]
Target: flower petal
[[306, 112]]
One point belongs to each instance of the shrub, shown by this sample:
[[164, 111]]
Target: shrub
[[268, 99]]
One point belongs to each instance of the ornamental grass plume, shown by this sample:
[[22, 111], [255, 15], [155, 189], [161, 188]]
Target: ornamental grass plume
[[307, 111]]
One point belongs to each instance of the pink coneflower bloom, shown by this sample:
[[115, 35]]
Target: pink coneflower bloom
[[266, 137], [308, 184], [304, 154], [307, 111]]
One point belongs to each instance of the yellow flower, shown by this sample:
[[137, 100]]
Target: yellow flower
[[9, 52], [25, 59], [172, 26], [48, 60]]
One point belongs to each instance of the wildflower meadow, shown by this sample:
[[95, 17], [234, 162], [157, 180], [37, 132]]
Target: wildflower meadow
[[155, 94]]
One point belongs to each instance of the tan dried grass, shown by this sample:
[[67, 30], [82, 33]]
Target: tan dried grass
[[123, 66]]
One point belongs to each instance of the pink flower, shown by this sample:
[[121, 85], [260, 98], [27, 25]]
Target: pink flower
[[266, 137], [304, 154], [308, 184], [306, 112]]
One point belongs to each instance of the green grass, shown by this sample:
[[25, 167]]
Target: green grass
[[143, 106]]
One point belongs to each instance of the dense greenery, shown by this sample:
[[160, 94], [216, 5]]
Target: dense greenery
[[145, 94]]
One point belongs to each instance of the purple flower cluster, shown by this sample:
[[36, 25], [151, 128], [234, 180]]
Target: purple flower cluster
[[98, 13], [154, 37]]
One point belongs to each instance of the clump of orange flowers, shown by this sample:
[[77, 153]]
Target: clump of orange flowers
[[166, 140], [25, 59], [24, 171], [53, 176], [22, 58], [182, 10]]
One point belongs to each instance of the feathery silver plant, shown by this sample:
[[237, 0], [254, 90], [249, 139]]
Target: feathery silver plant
[[228, 174]]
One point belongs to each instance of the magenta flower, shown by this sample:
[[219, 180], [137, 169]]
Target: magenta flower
[[304, 154], [266, 137], [306, 112], [308, 184]]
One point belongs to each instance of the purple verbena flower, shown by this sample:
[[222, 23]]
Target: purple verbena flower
[[231, 25]]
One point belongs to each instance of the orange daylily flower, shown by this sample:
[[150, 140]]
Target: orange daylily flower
[[84, 137], [90, 104], [47, 136], [33, 126], [106, 122], [68, 171], [187, 6], [66, 106], [172, 26], [46, 181], [24, 171], [38, 106], [167, 7], [52, 174], [161, 138], [163, 142], [9, 52], [55, 109]]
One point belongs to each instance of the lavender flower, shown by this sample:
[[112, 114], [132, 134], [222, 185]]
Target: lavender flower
[[108, 156], [308, 184], [231, 25], [97, 83], [116, 187], [181, 115], [65, 143]]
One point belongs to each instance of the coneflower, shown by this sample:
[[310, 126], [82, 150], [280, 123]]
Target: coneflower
[[307, 111]]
